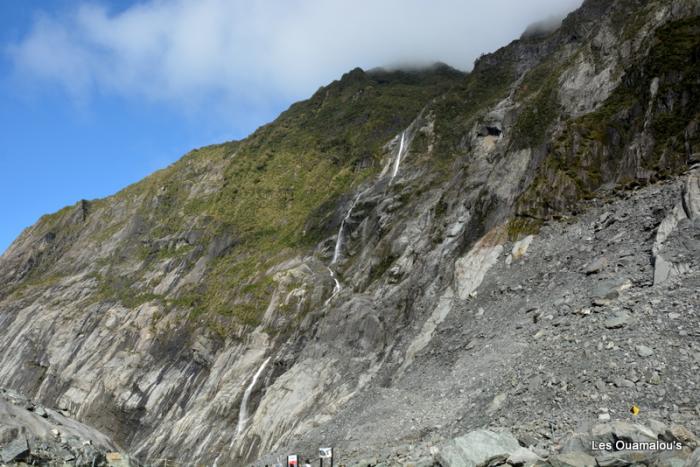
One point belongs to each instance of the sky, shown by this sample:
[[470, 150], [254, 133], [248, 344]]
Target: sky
[[95, 95]]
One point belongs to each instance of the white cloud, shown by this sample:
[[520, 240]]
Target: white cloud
[[189, 51]]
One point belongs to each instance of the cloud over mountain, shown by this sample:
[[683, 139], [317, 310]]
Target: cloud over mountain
[[184, 51]]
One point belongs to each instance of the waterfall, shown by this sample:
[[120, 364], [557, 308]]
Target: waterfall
[[339, 240], [336, 288], [397, 162], [243, 412]]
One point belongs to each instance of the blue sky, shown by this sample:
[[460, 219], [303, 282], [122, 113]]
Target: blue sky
[[95, 95]]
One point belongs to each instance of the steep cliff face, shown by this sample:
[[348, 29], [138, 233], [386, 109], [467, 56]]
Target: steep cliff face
[[307, 284]]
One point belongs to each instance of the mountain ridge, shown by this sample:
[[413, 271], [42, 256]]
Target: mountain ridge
[[146, 314]]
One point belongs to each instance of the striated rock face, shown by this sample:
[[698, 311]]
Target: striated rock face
[[203, 315], [675, 248]]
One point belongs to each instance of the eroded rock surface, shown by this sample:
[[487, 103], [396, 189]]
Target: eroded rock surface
[[406, 257]]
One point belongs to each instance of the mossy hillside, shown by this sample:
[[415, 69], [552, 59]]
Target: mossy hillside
[[309, 158], [538, 97], [675, 57], [350, 119], [265, 192], [591, 149], [537, 93]]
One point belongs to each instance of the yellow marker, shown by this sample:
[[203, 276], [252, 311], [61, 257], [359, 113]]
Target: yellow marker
[[634, 410]]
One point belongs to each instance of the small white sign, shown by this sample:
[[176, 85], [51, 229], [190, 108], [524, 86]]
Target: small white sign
[[325, 453]]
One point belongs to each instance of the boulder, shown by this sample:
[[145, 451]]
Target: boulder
[[15, 450], [644, 351], [497, 403], [573, 459], [631, 432], [520, 247], [617, 320], [523, 457], [684, 435], [694, 459], [596, 266], [609, 289], [8, 434], [672, 462], [34, 435], [663, 270], [477, 448]]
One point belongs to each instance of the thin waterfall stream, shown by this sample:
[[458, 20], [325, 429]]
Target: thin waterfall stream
[[339, 239], [243, 412], [397, 162]]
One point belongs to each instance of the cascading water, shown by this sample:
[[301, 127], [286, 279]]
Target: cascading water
[[243, 412], [339, 240], [336, 288], [397, 162]]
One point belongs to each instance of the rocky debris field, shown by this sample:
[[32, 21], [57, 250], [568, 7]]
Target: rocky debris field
[[31, 434], [567, 330], [403, 258], [616, 443]]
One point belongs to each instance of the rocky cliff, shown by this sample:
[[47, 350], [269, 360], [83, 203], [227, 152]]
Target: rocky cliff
[[403, 257]]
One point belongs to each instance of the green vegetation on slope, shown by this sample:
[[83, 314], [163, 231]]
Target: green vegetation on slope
[[238, 208], [246, 205], [593, 149], [538, 93]]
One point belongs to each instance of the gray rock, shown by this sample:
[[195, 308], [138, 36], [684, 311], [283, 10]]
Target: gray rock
[[596, 266], [657, 426], [616, 459], [609, 289], [40, 411], [612, 460], [683, 435], [672, 462], [617, 320], [8, 434], [496, 403], [654, 378], [663, 269], [47, 436], [573, 459], [609, 432], [644, 351], [523, 457], [476, 448], [15, 450], [694, 459], [623, 383]]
